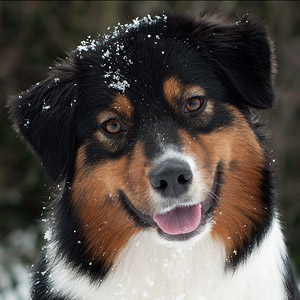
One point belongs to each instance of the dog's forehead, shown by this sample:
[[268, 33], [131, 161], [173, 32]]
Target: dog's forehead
[[139, 60], [140, 63]]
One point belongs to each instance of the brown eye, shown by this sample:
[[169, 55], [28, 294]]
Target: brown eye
[[193, 104], [113, 126]]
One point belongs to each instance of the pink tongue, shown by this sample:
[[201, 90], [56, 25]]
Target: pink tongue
[[180, 220]]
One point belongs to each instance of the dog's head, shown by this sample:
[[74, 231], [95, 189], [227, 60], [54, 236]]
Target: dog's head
[[150, 127]]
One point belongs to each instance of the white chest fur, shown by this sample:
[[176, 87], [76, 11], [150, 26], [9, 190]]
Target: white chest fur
[[148, 269]]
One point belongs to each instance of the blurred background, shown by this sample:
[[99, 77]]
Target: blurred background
[[34, 34]]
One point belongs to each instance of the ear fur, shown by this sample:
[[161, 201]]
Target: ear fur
[[242, 53], [43, 116]]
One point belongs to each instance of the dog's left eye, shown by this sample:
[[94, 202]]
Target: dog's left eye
[[193, 104], [113, 126]]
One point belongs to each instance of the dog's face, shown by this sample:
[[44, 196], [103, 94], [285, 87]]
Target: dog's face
[[150, 130]]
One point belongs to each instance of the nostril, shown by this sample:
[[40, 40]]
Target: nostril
[[158, 183], [171, 178], [184, 178], [163, 185], [181, 179]]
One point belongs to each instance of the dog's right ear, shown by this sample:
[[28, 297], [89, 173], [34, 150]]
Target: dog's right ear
[[43, 116], [241, 53]]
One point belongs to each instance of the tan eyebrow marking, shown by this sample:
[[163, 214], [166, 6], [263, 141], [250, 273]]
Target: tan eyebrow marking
[[122, 105], [104, 116], [173, 90]]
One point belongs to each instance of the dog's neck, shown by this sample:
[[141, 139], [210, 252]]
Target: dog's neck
[[149, 269]]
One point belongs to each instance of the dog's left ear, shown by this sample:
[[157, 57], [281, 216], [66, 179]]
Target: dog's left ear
[[43, 116], [243, 54]]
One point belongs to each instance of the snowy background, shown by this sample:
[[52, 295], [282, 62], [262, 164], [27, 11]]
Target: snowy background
[[33, 34]]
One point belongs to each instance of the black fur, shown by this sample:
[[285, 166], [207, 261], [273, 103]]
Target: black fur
[[44, 117], [241, 54], [231, 61]]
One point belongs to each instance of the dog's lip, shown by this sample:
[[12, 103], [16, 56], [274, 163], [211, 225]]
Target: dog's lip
[[143, 219], [147, 220]]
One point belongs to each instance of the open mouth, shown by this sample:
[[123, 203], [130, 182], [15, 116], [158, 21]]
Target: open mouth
[[182, 222]]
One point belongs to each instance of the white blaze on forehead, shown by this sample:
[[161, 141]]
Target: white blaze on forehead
[[171, 153]]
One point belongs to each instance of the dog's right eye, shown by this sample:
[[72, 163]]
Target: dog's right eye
[[193, 104], [113, 126]]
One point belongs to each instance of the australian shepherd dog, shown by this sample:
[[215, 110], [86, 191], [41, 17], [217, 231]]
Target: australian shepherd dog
[[166, 189]]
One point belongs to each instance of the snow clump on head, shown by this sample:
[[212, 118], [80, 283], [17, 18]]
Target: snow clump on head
[[113, 78], [91, 44]]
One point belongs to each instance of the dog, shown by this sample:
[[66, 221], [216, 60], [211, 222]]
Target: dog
[[165, 185]]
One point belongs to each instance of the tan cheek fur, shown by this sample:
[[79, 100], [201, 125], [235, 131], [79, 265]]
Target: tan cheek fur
[[106, 225], [239, 206], [138, 181]]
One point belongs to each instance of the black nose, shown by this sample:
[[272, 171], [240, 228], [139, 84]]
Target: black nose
[[171, 178]]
